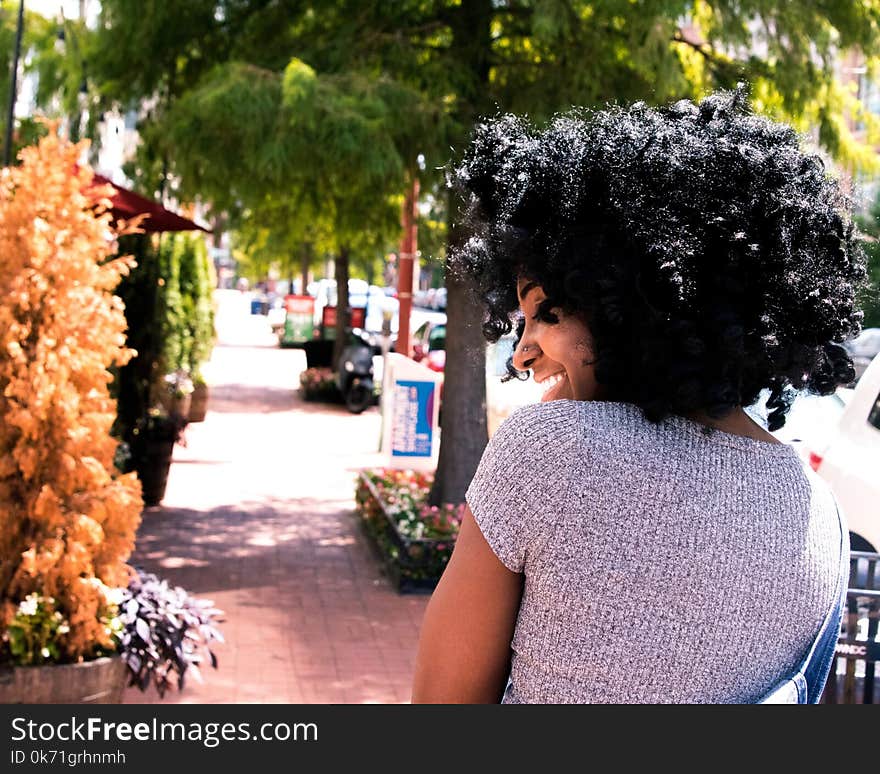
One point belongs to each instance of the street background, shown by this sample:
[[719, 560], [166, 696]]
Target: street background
[[259, 517]]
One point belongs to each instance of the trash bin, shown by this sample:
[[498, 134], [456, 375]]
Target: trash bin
[[319, 353]]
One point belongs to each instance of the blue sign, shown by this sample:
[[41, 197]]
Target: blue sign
[[413, 414]]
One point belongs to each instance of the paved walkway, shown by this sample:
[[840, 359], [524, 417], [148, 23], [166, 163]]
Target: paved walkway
[[259, 517]]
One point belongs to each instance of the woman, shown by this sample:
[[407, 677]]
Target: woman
[[636, 537]]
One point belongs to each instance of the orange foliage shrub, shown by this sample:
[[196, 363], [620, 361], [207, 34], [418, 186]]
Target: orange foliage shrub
[[67, 518]]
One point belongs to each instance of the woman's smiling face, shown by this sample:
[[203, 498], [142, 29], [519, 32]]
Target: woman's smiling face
[[559, 355]]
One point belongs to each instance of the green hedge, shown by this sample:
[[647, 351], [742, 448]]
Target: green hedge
[[186, 310], [169, 308]]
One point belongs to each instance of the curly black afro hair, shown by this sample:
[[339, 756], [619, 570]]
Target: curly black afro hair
[[708, 254]]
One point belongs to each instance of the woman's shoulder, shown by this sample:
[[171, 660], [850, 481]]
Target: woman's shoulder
[[540, 431], [572, 418], [558, 419], [556, 429]]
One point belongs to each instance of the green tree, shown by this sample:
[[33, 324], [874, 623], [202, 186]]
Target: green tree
[[278, 233], [327, 147], [52, 52], [412, 77], [870, 300]]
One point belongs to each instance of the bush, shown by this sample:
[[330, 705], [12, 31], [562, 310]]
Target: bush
[[186, 311], [139, 291], [68, 517], [319, 384], [166, 633]]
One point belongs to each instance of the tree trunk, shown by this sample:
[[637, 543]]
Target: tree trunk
[[464, 428], [218, 226], [464, 432], [305, 258], [342, 316]]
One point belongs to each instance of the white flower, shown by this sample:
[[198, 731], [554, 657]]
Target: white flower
[[29, 605], [114, 596]]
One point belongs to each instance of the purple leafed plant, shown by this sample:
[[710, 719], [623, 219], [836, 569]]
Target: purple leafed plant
[[167, 633]]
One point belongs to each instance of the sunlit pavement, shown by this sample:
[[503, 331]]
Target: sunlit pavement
[[259, 517]]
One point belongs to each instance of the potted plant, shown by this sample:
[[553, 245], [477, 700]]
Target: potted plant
[[185, 316], [319, 384], [76, 621], [152, 449], [34, 670], [175, 394], [158, 634], [198, 406], [414, 540], [165, 633]]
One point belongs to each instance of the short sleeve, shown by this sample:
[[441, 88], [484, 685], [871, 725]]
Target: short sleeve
[[521, 481]]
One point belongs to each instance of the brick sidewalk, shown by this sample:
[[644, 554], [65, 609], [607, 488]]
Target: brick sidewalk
[[259, 517]]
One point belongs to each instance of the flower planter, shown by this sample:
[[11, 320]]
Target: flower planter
[[100, 681], [178, 405], [319, 384], [152, 469], [198, 406], [413, 565]]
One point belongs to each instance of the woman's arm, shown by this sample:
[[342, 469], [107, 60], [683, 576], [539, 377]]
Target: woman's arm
[[464, 648]]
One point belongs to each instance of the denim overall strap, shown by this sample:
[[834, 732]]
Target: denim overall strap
[[821, 656], [806, 685]]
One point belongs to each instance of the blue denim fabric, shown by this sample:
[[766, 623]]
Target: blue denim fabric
[[806, 685]]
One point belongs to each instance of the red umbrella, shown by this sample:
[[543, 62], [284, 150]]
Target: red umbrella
[[127, 204]]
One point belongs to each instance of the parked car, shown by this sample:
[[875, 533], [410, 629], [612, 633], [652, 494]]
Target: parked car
[[850, 461], [810, 422], [863, 349], [429, 344]]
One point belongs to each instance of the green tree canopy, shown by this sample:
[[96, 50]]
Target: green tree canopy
[[870, 300]]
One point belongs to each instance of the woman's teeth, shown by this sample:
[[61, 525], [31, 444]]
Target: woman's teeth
[[551, 381]]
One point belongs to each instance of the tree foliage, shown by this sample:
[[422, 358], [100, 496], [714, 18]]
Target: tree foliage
[[68, 519], [870, 300], [185, 310], [56, 52], [139, 291]]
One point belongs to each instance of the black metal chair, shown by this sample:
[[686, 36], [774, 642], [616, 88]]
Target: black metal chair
[[852, 677]]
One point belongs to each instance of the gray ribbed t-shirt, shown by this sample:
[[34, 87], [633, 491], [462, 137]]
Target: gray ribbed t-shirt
[[661, 563]]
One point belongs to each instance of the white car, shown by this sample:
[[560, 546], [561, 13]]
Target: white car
[[863, 348], [850, 461], [811, 421]]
